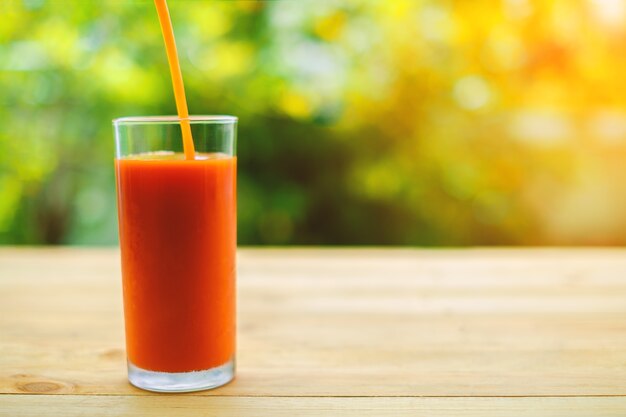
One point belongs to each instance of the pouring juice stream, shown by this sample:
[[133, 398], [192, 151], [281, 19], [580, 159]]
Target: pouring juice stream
[[177, 76]]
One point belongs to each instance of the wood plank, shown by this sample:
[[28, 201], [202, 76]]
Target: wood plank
[[342, 323], [192, 406]]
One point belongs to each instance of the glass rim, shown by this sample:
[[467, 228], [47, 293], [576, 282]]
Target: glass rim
[[224, 119]]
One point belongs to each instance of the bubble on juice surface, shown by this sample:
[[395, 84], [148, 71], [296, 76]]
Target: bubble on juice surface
[[210, 155], [175, 156]]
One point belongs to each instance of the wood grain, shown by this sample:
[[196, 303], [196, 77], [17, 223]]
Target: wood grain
[[194, 406], [335, 323]]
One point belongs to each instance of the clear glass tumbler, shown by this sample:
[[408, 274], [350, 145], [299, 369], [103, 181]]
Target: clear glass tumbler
[[177, 228]]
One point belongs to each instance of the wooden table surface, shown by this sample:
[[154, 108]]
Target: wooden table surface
[[337, 332]]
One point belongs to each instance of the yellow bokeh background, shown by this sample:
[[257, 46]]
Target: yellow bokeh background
[[362, 122]]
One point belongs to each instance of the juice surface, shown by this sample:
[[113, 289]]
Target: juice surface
[[178, 239]]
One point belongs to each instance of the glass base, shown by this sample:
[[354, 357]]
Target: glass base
[[181, 381]]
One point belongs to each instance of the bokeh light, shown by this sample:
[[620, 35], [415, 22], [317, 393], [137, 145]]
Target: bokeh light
[[361, 122]]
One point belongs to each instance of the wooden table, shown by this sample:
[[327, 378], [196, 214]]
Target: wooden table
[[337, 332]]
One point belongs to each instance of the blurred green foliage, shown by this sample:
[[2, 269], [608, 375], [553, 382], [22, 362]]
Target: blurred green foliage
[[361, 122]]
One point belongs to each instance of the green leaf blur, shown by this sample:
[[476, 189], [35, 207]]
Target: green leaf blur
[[361, 122]]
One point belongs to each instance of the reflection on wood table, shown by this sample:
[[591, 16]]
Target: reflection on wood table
[[337, 331]]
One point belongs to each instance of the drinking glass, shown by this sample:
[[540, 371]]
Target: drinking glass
[[177, 229]]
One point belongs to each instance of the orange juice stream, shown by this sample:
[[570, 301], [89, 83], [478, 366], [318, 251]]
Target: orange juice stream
[[177, 76]]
